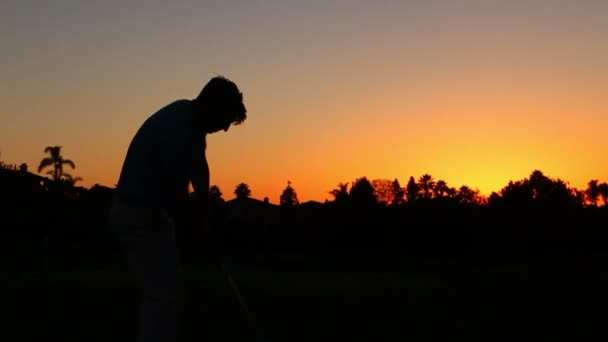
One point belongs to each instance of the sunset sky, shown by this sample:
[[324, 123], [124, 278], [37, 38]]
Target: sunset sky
[[475, 93]]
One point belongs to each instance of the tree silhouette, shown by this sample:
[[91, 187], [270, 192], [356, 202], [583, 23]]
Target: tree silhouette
[[440, 189], [451, 192], [603, 192], [426, 184], [340, 193], [540, 185], [289, 197], [23, 167], [55, 160], [412, 190], [383, 189], [592, 193], [494, 200], [466, 195], [398, 193], [540, 191], [516, 193], [216, 204], [242, 191], [215, 194], [362, 193]]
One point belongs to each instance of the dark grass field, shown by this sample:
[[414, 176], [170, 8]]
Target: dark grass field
[[552, 300]]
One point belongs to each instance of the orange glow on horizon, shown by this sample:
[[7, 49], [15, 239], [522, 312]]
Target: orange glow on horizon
[[476, 93]]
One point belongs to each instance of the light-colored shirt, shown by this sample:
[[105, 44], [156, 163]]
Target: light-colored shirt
[[159, 162]]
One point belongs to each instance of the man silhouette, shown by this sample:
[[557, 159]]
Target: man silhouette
[[166, 154]]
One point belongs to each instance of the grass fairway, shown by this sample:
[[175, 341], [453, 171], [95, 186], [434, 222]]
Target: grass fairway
[[559, 300]]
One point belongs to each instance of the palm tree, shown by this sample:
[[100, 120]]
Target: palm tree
[[215, 194], [242, 191], [340, 193], [426, 184], [56, 161]]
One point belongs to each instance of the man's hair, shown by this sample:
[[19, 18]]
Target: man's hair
[[222, 95]]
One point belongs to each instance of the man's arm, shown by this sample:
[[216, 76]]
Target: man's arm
[[200, 184], [203, 232]]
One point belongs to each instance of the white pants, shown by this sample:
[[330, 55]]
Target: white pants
[[148, 240]]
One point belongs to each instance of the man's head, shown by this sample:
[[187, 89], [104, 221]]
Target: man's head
[[221, 105]]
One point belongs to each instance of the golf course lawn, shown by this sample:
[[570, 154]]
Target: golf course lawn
[[560, 299]]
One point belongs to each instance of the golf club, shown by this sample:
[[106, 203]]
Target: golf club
[[243, 305]]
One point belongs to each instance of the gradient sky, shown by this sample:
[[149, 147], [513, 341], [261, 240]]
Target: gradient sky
[[472, 92]]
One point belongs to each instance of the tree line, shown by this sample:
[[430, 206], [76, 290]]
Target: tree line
[[536, 188], [538, 215]]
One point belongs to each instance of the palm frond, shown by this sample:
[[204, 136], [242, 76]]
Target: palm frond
[[54, 151], [69, 162], [44, 163]]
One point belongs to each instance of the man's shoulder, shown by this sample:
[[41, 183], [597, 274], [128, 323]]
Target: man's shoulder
[[181, 102], [171, 112], [176, 106]]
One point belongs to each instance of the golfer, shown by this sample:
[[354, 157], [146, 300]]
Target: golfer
[[167, 154]]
